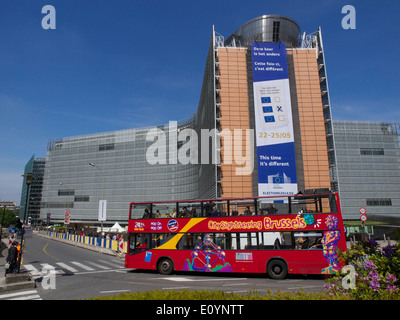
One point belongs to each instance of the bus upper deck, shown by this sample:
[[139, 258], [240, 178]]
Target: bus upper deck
[[237, 207]]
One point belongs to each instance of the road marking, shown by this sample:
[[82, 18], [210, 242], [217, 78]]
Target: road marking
[[181, 279], [93, 272], [67, 267], [98, 265], [44, 250], [176, 279], [34, 272], [175, 288], [80, 265], [115, 265], [32, 297], [115, 291], [16, 294], [235, 284], [48, 266]]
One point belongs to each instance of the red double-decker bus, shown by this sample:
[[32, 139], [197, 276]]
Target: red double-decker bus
[[298, 234]]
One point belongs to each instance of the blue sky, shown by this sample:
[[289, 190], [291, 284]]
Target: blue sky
[[112, 65]]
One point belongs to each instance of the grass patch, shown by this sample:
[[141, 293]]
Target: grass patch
[[220, 295]]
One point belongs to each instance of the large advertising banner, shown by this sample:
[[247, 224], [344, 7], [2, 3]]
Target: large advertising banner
[[273, 120]]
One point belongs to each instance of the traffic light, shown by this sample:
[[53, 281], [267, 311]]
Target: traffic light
[[18, 227], [18, 224]]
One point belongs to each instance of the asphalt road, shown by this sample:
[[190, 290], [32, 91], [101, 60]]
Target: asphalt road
[[81, 274]]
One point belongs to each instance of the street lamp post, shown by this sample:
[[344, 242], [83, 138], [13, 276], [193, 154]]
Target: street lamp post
[[28, 180], [102, 188]]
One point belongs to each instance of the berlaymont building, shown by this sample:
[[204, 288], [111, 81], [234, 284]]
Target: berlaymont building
[[263, 127]]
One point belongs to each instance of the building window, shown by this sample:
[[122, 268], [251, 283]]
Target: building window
[[275, 31], [106, 146], [81, 198], [66, 192], [372, 151], [382, 202]]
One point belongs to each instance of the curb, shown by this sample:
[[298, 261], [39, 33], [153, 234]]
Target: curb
[[18, 285], [16, 281]]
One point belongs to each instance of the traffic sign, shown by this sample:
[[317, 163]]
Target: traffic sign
[[363, 217], [363, 210], [121, 246]]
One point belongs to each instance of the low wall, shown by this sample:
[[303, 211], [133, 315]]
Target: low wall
[[87, 242]]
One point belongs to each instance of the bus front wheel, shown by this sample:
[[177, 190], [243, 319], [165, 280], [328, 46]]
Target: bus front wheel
[[165, 266], [277, 269]]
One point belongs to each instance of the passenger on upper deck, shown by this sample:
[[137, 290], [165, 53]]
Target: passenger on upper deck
[[271, 209], [215, 212], [185, 213], [173, 214], [208, 208], [247, 212], [147, 214]]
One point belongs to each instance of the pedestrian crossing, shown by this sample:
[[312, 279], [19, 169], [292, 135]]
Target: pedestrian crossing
[[37, 270], [21, 295]]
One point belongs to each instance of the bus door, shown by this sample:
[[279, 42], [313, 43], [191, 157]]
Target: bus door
[[309, 250], [139, 242]]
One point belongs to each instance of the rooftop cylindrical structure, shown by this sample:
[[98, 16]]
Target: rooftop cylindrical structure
[[267, 28]]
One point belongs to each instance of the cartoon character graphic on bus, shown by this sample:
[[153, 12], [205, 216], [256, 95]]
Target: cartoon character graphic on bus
[[329, 245], [207, 257]]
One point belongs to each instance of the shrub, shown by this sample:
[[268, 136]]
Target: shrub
[[377, 272]]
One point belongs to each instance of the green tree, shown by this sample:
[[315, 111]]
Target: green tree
[[9, 217]]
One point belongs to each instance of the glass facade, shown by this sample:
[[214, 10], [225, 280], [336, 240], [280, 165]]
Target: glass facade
[[35, 167], [113, 166], [368, 167], [267, 28]]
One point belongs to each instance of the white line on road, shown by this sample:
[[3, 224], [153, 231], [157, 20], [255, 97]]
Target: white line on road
[[235, 284], [48, 266], [115, 291], [32, 297], [93, 272], [182, 279], [34, 272], [115, 265], [66, 267], [80, 265], [9, 295], [98, 265]]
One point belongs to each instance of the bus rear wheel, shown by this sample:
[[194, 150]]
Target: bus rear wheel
[[277, 269], [165, 266]]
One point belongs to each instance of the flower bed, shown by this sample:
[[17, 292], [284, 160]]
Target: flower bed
[[374, 273]]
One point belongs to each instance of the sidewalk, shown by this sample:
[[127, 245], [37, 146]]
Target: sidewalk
[[15, 281]]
